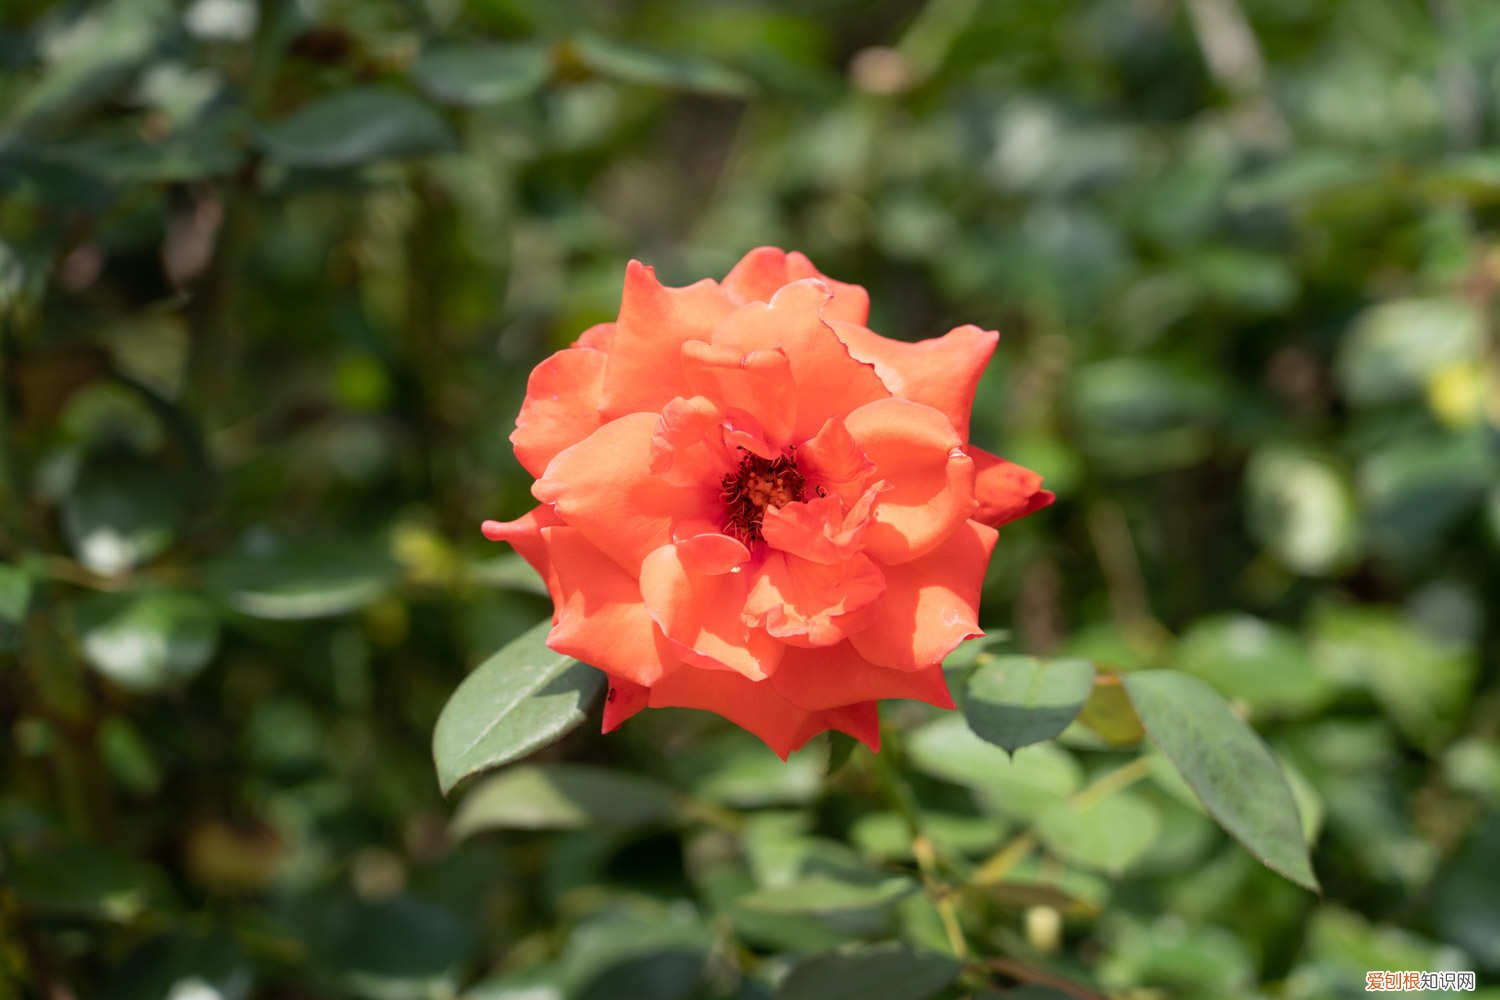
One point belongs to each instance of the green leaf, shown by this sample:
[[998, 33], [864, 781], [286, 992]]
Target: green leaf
[[389, 949], [561, 797], [1394, 348], [148, 641], [1014, 701], [632, 65], [84, 880], [1422, 681], [1227, 766], [184, 964], [821, 909], [479, 73], [120, 513], [1020, 784], [890, 971], [1109, 714], [1108, 833], [519, 700], [1301, 507], [293, 579], [644, 950], [15, 593], [354, 127]]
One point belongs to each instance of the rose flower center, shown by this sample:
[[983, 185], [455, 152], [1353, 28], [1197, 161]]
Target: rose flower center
[[756, 484]]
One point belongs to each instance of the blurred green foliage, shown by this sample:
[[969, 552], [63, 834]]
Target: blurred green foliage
[[272, 276]]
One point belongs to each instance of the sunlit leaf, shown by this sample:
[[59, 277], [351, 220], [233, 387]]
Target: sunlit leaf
[[519, 700], [150, 640], [1014, 701]]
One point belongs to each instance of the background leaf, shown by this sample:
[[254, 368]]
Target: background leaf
[[889, 970], [352, 127]]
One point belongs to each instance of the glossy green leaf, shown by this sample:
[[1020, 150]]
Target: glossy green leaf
[[119, 514], [1014, 701], [479, 73], [1227, 766], [293, 579], [148, 641], [562, 796], [890, 971], [1394, 347], [519, 700], [353, 127], [1302, 508]]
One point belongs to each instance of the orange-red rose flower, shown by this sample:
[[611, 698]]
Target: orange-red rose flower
[[752, 504]]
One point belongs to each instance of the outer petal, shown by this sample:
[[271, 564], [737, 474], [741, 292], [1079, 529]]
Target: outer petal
[[762, 272], [930, 604], [1005, 490], [625, 698], [757, 707], [604, 487], [942, 372], [600, 617], [829, 381], [562, 402], [837, 675], [916, 450], [525, 535], [643, 371], [696, 595]]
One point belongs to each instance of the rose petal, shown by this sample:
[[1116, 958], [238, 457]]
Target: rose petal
[[831, 676], [751, 705], [624, 699], [561, 406], [524, 534], [757, 383], [1005, 491], [916, 450], [809, 603], [644, 370], [762, 272], [832, 460], [829, 382], [601, 618], [604, 487], [942, 372], [860, 720], [930, 604], [696, 596]]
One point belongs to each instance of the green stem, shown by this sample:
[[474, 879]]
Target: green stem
[[899, 794]]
